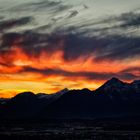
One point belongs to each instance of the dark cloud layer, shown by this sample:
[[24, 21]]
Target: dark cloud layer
[[132, 69], [87, 75], [129, 19], [7, 24], [110, 48]]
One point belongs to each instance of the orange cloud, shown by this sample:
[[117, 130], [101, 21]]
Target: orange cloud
[[48, 71]]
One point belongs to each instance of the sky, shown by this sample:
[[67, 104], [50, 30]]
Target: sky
[[49, 45]]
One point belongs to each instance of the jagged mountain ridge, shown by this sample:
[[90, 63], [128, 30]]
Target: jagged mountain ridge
[[113, 98]]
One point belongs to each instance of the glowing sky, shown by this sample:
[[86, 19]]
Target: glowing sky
[[48, 45]]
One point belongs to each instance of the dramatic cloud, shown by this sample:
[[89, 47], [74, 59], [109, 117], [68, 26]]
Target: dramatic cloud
[[71, 47], [47, 45]]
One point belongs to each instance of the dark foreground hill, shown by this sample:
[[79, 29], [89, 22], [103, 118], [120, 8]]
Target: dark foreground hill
[[114, 99]]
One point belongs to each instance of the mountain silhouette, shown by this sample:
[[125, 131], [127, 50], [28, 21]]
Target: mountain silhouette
[[114, 88], [114, 98]]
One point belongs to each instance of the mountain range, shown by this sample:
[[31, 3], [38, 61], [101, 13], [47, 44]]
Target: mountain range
[[114, 98]]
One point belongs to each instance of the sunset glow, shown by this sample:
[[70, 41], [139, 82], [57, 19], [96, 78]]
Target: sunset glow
[[66, 50]]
